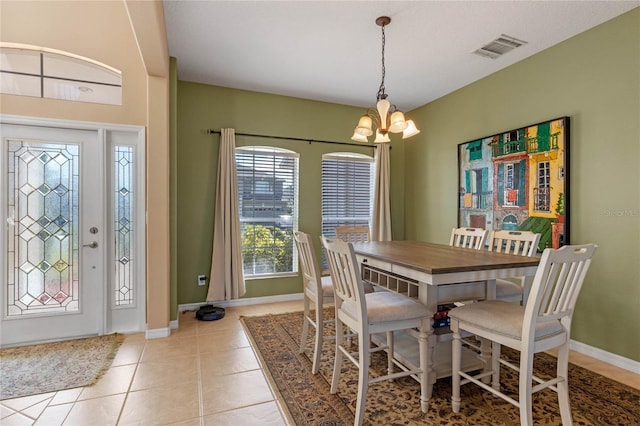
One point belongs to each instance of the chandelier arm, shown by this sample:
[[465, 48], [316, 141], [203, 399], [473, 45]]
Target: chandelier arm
[[373, 113]]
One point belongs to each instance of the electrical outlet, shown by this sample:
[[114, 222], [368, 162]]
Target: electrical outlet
[[202, 280]]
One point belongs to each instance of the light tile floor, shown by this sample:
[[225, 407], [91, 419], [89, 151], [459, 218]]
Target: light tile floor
[[206, 373]]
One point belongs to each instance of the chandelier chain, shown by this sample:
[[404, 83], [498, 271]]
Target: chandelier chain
[[381, 94], [386, 117]]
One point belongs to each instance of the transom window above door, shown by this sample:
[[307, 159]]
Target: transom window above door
[[47, 73]]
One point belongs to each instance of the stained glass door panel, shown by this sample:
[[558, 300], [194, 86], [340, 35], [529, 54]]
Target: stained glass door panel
[[53, 210], [43, 274]]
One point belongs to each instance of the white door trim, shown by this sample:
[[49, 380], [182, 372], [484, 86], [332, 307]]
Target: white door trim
[[69, 124], [138, 134]]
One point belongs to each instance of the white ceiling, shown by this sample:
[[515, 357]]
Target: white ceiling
[[331, 50]]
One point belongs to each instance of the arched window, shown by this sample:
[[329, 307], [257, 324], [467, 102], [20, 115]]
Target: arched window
[[510, 223], [47, 73], [268, 204]]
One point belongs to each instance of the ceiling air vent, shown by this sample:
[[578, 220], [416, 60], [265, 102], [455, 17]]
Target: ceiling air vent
[[499, 46]]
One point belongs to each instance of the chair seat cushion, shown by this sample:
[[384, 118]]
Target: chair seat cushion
[[505, 288], [385, 306], [501, 317]]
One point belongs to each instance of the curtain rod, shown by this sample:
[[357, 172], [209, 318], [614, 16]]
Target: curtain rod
[[212, 131]]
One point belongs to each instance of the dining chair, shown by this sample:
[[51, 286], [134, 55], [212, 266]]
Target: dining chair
[[367, 314], [353, 234], [472, 238], [468, 237], [522, 243], [542, 324], [318, 291]]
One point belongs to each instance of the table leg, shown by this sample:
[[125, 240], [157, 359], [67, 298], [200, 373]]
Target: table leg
[[485, 345], [428, 295], [426, 388], [495, 365], [491, 289]]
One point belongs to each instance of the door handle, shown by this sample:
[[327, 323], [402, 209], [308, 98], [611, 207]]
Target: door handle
[[92, 244]]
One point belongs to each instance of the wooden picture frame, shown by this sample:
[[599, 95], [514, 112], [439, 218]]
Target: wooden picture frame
[[518, 180]]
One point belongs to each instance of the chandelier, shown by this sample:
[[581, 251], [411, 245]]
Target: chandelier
[[386, 116]]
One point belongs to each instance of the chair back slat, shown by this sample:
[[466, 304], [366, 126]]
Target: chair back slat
[[522, 243], [566, 298], [347, 284], [473, 238], [353, 234], [557, 282], [308, 262]]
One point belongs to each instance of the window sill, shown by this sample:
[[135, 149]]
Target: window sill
[[269, 276]]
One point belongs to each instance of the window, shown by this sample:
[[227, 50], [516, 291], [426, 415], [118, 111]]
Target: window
[[27, 70], [508, 176], [268, 203], [475, 150], [542, 192], [43, 210], [347, 190], [124, 224]]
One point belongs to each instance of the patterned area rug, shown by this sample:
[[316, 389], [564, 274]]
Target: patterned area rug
[[50, 367], [595, 400]]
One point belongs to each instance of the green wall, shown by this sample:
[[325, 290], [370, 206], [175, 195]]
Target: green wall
[[594, 78], [201, 107]]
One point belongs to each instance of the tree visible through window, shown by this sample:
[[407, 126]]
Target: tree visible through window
[[267, 194]]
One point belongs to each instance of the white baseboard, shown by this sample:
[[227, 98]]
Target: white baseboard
[[599, 354], [242, 302], [157, 333], [604, 356]]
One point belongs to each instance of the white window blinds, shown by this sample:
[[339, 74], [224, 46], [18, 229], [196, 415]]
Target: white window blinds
[[267, 194], [347, 191]]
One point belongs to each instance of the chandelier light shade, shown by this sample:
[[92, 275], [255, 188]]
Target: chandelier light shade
[[385, 116]]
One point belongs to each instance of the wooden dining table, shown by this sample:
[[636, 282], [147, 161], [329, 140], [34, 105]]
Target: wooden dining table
[[436, 274]]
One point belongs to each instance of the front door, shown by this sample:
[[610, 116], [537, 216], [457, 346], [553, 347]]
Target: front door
[[54, 234]]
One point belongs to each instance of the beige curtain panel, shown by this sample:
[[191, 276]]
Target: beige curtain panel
[[381, 221], [227, 278]]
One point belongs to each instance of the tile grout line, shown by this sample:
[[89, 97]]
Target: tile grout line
[[199, 370], [126, 395], [49, 401]]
